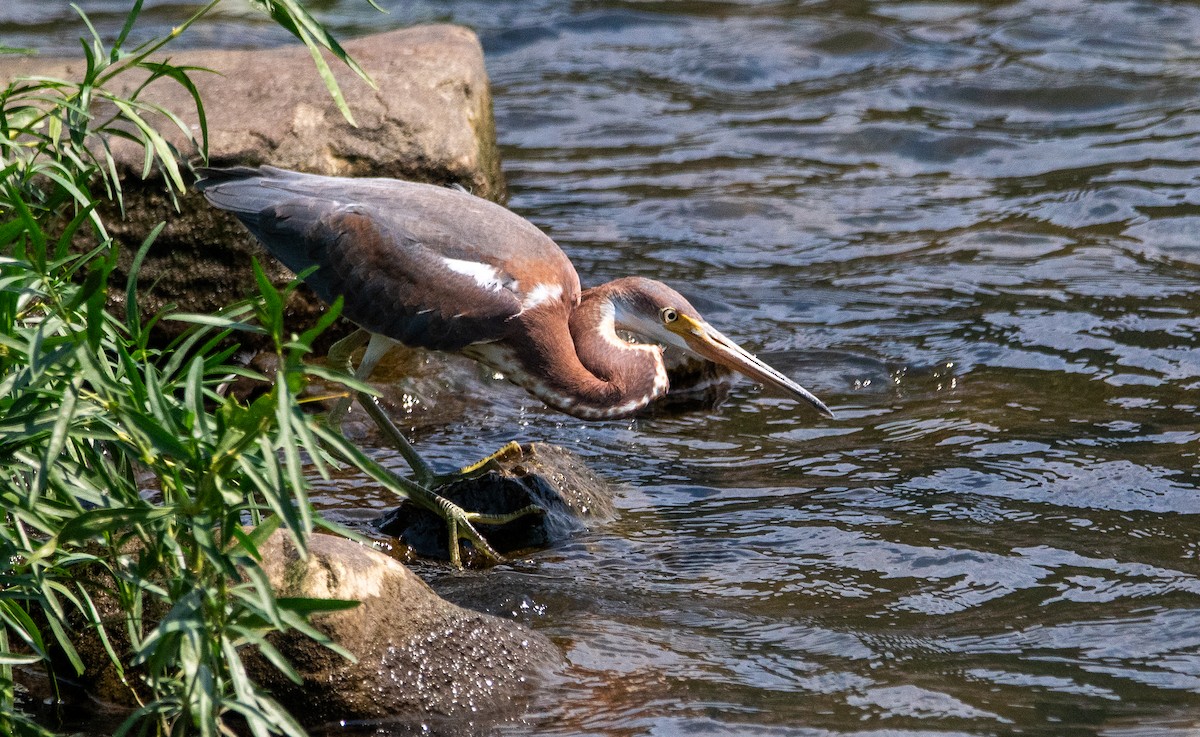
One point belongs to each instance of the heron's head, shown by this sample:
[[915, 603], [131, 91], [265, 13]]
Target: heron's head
[[656, 312]]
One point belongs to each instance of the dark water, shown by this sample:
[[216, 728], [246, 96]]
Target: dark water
[[973, 230]]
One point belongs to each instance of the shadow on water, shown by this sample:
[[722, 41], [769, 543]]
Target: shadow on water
[[970, 228]]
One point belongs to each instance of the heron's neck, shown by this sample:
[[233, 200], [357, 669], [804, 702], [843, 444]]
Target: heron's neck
[[625, 376], [574, 361]]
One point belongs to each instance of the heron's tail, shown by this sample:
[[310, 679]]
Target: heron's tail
[[212, 175], [243, 190], [262, 198]]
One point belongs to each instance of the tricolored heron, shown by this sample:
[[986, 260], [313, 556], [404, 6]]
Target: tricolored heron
[[438, 268]]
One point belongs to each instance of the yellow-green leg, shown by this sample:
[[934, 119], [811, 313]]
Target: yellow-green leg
[[460, 522], [377, 347], [493, 462], [457, 519]]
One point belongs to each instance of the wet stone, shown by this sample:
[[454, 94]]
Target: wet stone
[[569, 494], [419, 658]]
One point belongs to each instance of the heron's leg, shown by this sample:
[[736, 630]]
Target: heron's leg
[[339, 359], [377, 348], [458, 520], [461, 523], [339, 354], [422, 471]]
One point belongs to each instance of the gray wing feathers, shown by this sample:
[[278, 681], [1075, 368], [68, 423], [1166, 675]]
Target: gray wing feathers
[[390, 269]]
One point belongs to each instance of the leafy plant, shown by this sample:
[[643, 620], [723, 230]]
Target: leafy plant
[[134, 491]]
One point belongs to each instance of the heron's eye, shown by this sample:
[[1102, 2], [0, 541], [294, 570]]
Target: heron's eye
[[668, 314]]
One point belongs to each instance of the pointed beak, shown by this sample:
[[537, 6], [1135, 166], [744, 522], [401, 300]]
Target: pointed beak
[[709, 343]]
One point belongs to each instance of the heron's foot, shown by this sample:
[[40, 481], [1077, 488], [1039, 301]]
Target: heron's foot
[[461, 524], [511, 451]]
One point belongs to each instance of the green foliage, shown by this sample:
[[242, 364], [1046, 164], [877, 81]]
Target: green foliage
[[292, 16], [130, 482]]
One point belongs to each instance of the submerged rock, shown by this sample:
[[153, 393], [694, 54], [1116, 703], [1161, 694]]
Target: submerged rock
[[556, 481], [419, 656]]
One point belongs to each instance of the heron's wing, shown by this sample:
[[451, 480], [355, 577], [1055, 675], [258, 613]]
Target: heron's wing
[[419, 271], [400, 287]]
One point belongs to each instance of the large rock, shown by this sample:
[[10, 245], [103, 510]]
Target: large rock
[[569, 495], [429, 120], [419, 656]]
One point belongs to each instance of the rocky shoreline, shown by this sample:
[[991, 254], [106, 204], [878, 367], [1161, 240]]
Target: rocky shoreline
[[428, 118]]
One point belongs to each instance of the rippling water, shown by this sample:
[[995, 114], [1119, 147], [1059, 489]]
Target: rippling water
[[972, 230]]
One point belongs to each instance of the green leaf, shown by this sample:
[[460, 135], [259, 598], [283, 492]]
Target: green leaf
[[179, 74], [292, 16], [215, 321], [130, 19], [132, 318], [337, 377], [276, 658], [68, 235], [58, 438], [96, 316], [31, 226], [327, 76], [13, 614], [194, 398], [97, 522], [18, 659], [272, 301], [293, 465], [251, 541], [327, 318], [97, 625], [153, 140], [164, 441], [82, 198], [54, 619]]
